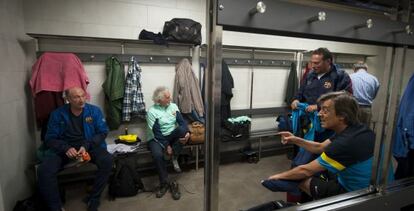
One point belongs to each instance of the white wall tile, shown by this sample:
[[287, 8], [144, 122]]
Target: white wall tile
[[280, 42], [241, 91], [263, 123], [154, 76], [12, 85], [5, 118], [96, 74], [159, 3], [54, 27], [107, 31], [269, 87], [115, 13], [16, 133], [196, 5]]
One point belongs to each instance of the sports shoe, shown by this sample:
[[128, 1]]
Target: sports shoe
[[175, 192], [92, 204], [175, 164], [162, 190]]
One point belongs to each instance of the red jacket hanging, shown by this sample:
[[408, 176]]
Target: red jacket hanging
[[57, 72]]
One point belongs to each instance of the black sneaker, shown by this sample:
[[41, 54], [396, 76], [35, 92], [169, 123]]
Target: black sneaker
[[162, 190], [92, 204], [175, 192]]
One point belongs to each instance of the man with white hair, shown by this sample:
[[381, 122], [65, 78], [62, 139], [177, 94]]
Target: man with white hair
[[167, 132], [365, 87]]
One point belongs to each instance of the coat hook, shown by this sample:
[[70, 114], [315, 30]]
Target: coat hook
[[259, 8], [321, 16], [150, 58], [368, 24], [261, 62], [168, 59], [248, 61], [92, 57], [122, 48], [406, 30]]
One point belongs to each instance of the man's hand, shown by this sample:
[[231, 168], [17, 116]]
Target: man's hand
[[81, 151], [71, 153], [169, 150], [185, 139], [294, 104], [288, 137], [312, 108], [187, 136]]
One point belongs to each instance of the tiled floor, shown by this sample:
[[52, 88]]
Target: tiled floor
[[239, 188]]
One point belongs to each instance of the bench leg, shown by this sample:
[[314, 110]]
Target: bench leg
[[260, 147], [196, 157]]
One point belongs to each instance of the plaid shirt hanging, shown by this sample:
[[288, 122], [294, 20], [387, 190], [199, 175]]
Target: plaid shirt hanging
[[133, 104]]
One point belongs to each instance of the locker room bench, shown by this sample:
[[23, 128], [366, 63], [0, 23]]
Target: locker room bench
[[86, 171]]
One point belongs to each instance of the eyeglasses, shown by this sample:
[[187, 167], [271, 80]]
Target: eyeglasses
[[324, 110]]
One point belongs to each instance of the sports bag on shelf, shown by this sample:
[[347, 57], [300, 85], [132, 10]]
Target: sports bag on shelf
[[197, 133], [182, 30]]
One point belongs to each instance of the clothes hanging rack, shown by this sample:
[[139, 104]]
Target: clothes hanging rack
[[95, 49], [125, 58], [254, 62]]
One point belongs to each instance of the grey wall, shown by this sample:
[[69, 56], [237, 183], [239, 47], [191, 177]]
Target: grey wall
[[16, 122]]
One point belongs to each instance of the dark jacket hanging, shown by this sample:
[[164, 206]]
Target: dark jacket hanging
[[227, 84], [292, 84]]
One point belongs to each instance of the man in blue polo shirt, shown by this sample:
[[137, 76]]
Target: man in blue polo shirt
[[348, 154], [365, 87]]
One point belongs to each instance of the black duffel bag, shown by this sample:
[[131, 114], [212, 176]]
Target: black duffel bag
[[182, 30]]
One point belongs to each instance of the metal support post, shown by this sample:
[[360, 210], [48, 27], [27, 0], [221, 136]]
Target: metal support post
[[213, 105]]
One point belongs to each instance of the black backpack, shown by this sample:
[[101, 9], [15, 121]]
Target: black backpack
[[125, 181], [182, 30], [33, 203]]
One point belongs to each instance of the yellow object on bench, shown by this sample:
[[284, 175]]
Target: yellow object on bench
[[128, 138]]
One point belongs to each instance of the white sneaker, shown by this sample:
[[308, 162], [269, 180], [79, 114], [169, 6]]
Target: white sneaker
[[175, 164]]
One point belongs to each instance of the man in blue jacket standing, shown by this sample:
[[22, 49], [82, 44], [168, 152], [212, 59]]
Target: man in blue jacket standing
[[325, 77], [74, 129]]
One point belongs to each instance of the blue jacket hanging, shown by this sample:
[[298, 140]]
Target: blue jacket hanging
[[315, 126], [404, 132]]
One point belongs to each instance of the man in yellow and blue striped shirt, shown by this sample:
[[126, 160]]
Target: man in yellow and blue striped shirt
[[347, 154]]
